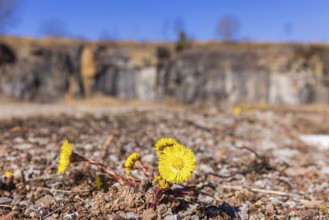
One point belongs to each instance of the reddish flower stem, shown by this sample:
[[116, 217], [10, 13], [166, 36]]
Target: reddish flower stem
[[108, 170], [139, 165]]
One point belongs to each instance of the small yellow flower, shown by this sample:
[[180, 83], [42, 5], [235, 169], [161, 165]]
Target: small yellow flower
[[99, 183], [162, 182], [163, 143], [324, 210], [237, 111], [131, 160], [177, 163], [65, 157], [8, 174]]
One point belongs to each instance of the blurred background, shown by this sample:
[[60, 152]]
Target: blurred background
[[257, 52]]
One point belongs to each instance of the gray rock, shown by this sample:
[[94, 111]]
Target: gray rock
[[206, 168], [128, 215], [44, 202], [131, 215], [172, 217], [5, 200], [278, 74], [195, 217], [148, 158]]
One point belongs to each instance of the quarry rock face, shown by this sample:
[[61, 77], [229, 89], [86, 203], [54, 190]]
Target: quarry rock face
[[239, 72], [38, 74]]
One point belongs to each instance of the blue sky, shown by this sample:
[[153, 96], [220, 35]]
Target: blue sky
[[260, 20]]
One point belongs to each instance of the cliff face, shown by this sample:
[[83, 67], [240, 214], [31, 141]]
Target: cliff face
[[267, 73], [274, 74]]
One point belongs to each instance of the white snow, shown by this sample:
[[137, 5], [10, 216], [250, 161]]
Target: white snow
[[320, 141]]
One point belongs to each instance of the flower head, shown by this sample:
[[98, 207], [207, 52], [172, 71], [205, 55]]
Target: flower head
[[163, 143], [177, 163], [8, 174], [237, 111], [131, 160], [162, 182], [65, 157]]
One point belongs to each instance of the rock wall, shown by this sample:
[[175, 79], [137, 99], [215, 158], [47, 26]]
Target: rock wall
[[241, 72]]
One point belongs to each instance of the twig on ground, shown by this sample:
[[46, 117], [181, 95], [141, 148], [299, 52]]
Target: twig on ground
[[82, 200], [251, 150], [240, 188], [60, 190], [274, 192], [56, 210]]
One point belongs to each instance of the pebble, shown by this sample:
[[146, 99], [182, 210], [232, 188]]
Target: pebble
[[131, 215], [148, 158], [270, 209], [195, 217], [325, 171], [208, 199], [71, 216], [275, 200], [11, 215], [18, 140], [128, 215], [19, 176], [33, 214], [244, 210], [89, 147], [5, 200], [45, 201], [169, 211], [172, 217], [16, 200], [206, 168], [291, 204], [24, 203]]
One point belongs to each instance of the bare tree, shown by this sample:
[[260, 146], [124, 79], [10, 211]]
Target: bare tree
[[179, 26], [227, 28], [7, 8], [54, 28]]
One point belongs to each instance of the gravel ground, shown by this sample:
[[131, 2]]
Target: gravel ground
[[251, 166]]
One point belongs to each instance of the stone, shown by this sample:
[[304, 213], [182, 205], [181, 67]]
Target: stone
[[19, 176], [44, 202], [280, 74], [11, 215], [5, 200], [172, 217]]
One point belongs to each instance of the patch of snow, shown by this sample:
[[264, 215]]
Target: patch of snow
[[320, 141]]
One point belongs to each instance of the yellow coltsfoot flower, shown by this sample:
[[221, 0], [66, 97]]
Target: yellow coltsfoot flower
[[65, 157], [8, 174], [163, 143], [130, 162], [237, 111], [162, 182], [177, 163]]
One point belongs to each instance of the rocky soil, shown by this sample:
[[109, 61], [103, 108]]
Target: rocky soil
[[249, 166]]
